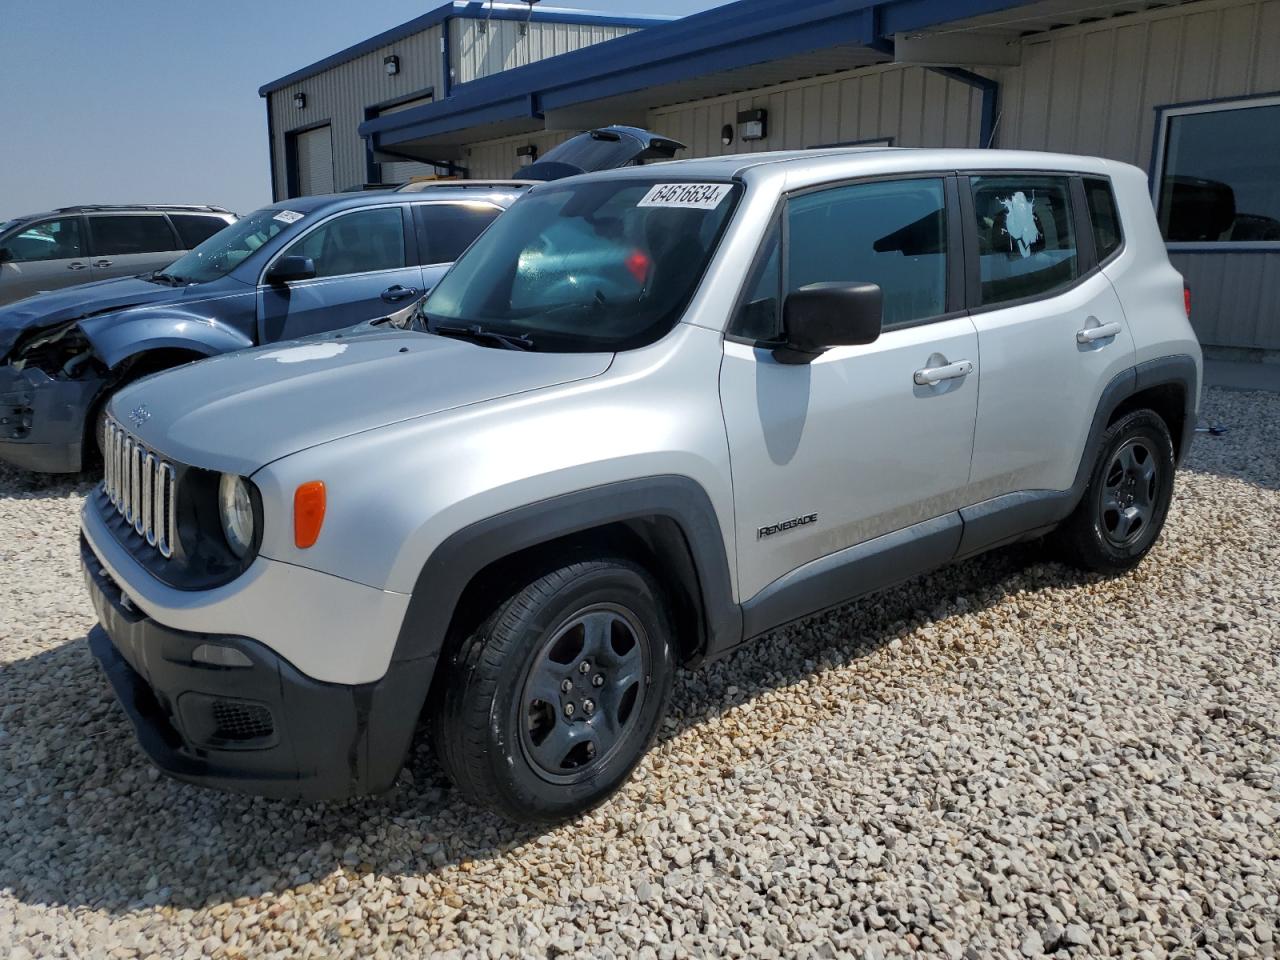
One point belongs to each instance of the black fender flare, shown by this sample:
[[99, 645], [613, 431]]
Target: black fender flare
[[464, 554]]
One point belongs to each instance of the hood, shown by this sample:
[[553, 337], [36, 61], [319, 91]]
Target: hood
[[238, 412], [58, 306]]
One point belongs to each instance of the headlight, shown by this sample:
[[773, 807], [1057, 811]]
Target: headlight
[[235, 510]]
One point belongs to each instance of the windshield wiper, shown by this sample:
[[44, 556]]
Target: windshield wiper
[[475, 332], [161, 277]]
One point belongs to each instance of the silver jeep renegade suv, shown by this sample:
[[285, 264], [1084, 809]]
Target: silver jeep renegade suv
[[649, 415]]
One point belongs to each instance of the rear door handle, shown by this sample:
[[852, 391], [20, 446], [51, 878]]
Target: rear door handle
[[932, 376], [397, 293], [103, 263], [1104, 331], [77, 265]]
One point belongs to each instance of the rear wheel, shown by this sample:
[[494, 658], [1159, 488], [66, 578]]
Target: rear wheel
[[548, 706], [1127, 500]]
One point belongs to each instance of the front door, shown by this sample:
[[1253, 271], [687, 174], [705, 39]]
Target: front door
[[362, 272], [865, 440], [43, 256], [1051, 330]]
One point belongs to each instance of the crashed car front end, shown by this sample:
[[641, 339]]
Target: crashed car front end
[[48, 383]]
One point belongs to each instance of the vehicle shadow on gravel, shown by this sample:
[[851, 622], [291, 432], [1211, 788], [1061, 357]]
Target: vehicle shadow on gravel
[[86, 821]]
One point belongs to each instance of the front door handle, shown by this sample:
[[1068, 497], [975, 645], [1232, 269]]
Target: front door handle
[[932, 376], [77, 265], [397, 293], [103, 263], [1104, 331]]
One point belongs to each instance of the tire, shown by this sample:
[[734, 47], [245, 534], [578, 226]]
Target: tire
[[522, 727], [1126, 502]]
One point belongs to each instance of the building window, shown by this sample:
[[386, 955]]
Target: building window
[[1218, 172]]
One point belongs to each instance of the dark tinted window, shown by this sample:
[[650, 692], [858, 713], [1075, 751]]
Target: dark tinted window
[[893, 234], [122, 234], [1104, 216], [359, 242], [1026, 238], [1220, 180], [195, 228], [446, 229], [47, 240]]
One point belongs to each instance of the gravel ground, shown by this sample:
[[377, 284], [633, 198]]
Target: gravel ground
[[1003, 759]]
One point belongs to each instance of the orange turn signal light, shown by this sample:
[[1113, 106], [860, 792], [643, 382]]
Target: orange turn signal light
[[308, 513]]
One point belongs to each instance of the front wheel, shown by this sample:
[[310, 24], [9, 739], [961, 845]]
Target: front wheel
[[1127, 500], [548, 706]]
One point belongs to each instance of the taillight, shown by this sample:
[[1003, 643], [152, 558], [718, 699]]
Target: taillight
[[1186, 299]]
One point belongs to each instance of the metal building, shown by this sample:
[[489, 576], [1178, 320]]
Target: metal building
[[313, 114], [1187, 89]]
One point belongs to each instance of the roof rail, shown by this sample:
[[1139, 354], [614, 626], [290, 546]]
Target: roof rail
[[82, 207], [419, 186]]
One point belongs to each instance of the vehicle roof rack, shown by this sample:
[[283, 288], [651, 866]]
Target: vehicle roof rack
[[83, 207], [419, 185]]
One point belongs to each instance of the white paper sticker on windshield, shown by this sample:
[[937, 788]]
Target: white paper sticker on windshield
[[697, 196], [288, 216]]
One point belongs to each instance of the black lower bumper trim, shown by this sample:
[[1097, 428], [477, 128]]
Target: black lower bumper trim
[[323, 741]]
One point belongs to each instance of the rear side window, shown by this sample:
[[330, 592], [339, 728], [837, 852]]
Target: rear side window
[[889, 233], [446, 229], [1107, 235], [361, 242], [195, 228], [1026, 237], [119, 235]]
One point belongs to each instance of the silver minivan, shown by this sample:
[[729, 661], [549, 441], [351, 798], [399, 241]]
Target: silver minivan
[[74, 245]]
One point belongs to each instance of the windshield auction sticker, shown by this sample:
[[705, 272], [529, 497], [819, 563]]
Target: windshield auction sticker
[[696, 196], [288, 216]]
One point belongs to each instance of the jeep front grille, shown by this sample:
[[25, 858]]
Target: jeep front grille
[[141, 487]]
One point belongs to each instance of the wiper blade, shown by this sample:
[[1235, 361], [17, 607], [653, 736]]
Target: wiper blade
[[173, 281], [473, 331]]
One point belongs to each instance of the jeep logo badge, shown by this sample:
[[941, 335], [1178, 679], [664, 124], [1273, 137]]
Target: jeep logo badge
[[140, 415]]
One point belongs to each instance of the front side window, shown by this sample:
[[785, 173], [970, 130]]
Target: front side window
[[227, 249], [118, 236], [1026, 236], [360, 242], [892, 233], [47, 240], [446, 229], [601, 265], [1220, 173]]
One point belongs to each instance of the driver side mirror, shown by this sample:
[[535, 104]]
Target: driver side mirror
[[820, 316], [6, 255], [289, 269]]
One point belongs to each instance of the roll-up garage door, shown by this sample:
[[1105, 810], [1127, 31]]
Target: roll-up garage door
[[315, 161], [402, 171]]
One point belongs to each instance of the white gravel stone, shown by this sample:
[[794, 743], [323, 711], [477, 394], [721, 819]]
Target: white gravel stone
[[1002, 759]]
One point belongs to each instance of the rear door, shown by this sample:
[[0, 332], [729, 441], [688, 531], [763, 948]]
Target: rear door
[[445, 229], [126, 244], [44, 255], [365, 268], [1051, 330]]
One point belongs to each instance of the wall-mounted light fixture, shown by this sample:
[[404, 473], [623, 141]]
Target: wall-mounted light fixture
[[524, 27], [300, 101], [726, 134], [391, 64], [526, 154], [753, 124]]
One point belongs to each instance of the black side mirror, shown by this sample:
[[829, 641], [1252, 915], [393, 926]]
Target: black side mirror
[[825, 315], [6, 255], [289, 269]]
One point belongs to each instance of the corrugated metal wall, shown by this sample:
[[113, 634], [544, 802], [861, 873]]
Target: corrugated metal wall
[[1094, 89], [341, 94], [912, 106], [481, 48]]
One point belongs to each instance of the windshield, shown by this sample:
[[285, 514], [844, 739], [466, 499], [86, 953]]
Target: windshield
[[5, 225], [230, 247], [597, 266]]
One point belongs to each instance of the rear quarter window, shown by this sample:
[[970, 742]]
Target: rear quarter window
[[194, 228], [1108, 235]]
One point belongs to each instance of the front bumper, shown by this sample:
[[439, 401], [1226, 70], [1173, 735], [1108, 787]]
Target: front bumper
[[42, 420], [264, 729]]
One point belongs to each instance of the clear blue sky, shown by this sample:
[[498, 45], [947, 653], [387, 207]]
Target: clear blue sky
[[157, 100]]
